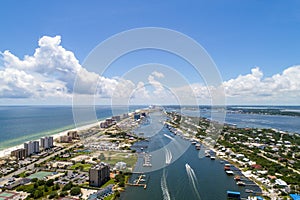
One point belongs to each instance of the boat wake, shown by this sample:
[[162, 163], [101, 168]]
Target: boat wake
[[171, 138], [164, 187], [168, 156], [192, 178]]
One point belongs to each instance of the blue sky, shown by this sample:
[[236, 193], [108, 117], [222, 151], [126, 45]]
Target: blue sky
[[238, 35]]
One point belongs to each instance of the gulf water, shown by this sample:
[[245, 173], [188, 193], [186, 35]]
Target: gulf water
[[22, 123], [19, 124]]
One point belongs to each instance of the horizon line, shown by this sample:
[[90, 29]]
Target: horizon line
[[2, 105]]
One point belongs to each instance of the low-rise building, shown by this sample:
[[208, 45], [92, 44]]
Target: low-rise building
[[120, 165], [103, 124], [116, 118], [65, 139], [73, 134], [281, 183], [240, 156]]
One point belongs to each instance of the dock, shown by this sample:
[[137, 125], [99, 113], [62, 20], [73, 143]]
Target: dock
[[137, 183], [147, 160]]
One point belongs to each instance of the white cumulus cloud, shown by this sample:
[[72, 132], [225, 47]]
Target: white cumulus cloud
[[158, 86], [254, 87], [52, 70]]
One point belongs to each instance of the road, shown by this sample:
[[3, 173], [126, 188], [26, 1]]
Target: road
[[275, 161], [31, 166]]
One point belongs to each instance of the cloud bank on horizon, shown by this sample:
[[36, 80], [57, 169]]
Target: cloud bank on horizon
[[51, 72]]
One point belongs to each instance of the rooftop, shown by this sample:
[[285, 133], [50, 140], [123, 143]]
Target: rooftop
[[99, 166], [232, 192], [7, 195], [295, 196]]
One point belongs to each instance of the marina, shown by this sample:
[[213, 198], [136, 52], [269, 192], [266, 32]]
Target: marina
[[140, 182], [202, 170]]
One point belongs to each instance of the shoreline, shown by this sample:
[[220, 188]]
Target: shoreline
[[230, 161], [57, 132], [7, 151]]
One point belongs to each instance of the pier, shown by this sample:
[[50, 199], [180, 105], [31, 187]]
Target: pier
[[137, 182], [147, 160]]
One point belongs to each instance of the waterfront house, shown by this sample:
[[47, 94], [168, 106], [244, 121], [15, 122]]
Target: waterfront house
[[280, 183], [240, 156], [256, 166]]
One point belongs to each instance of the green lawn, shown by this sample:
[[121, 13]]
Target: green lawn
[[113, 157], [85, 167], [111, 181]]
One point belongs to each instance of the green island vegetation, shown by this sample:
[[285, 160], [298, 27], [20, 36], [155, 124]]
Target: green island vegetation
[[265, 111], [280, 158]]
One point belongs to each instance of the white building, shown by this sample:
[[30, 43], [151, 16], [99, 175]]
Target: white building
[[46, 142], [281, 183], [240, 156], [31, 147], [120, 165]]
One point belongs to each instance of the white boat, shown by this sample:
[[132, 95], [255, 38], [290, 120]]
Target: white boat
[[240, 183], [207, 151], [147, 165], [248, 191], [228, 172]]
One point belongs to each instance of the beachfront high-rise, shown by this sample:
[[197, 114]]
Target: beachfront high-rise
[[31, 147], [46, 142], [19, 153], [99, 174]]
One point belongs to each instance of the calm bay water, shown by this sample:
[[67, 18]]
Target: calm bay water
[[188, 177], [211, 182], [279, 122]]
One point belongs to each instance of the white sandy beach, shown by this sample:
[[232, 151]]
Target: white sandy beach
[[7, 151]]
